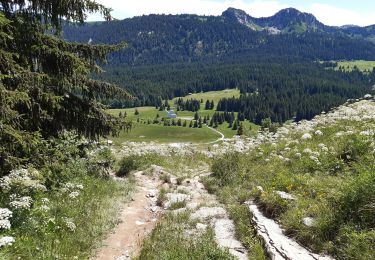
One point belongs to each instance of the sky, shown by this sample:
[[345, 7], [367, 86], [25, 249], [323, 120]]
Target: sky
[[330, 12]]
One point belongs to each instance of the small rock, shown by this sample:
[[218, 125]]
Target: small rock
[[209, 212], [368, 96], [139, 223], [308, 221], [285, 196], [201, 226], [178, 211], [152, 194]]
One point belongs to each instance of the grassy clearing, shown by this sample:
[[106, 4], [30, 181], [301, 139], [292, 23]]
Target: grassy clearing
[[166, 134], [212, 95], [332, 177], [143, 131], [170, 240], [362, 65]]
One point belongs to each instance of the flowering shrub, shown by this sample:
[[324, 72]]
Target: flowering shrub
[[5, 241]]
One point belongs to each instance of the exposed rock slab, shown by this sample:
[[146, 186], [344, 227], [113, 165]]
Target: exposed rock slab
[[205, 213], [279, 246], [225, 237]]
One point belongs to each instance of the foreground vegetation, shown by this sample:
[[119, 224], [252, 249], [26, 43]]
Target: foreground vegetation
[[169, 240], [65, 209], [330, 175]]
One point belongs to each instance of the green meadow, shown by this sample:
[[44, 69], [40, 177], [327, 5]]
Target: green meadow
[[144, 130], [362, 65]]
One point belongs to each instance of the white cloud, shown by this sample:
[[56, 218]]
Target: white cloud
[[130, 8], [332, 15], [328, 14]]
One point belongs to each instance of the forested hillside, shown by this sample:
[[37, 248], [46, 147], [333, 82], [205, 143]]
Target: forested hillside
[[275, 57], [156, 39]]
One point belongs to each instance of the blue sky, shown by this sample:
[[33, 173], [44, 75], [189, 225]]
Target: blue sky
[[330, 12]]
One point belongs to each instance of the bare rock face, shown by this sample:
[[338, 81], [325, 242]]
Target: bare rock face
[[175, 198], [205, 213], [225, 237], [279, 246]]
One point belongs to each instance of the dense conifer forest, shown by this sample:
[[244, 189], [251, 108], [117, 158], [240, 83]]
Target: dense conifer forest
[[279, 74]]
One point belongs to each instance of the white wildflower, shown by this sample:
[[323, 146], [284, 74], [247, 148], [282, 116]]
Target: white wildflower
[[5, 224], [22, 180], [298, 155], [5, 213], [318, 132], [307, 151], [21, 203], [306, 136], [70, 225], [79, 186], [44, 208], [5, 241], [45, 200], [73, 194], [367, 133]]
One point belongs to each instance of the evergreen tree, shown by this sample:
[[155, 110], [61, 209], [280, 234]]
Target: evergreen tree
[[196, 116], [240, 130], [235, 125], [212, 105], [207, 106], [184, 125], [136, 112], [191, 124], [44, 81]]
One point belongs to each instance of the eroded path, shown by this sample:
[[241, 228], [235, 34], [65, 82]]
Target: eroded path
[[137, 220], [207, 212]]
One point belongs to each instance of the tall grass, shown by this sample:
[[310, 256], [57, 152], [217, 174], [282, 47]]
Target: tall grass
[[170, 240], [333, 183]]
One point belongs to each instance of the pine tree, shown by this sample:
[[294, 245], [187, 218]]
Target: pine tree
[[207, 106], [235, 125], [212, 105], [44, 81], [196, 116], [240, 130], [191, 124]]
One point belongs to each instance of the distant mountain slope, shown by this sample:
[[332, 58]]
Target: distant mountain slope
[[289, 34], [288, 20]]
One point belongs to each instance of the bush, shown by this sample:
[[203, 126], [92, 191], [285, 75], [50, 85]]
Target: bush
[[127, 164], [225, 168]]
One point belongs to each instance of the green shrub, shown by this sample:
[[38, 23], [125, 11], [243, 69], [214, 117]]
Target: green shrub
[[225, 168], [165, 177], [127, 164], [178, 205], [161, 197], [356, 245]]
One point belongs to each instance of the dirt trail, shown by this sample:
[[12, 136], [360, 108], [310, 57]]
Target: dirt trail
[[222, 137], [137, 220]]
